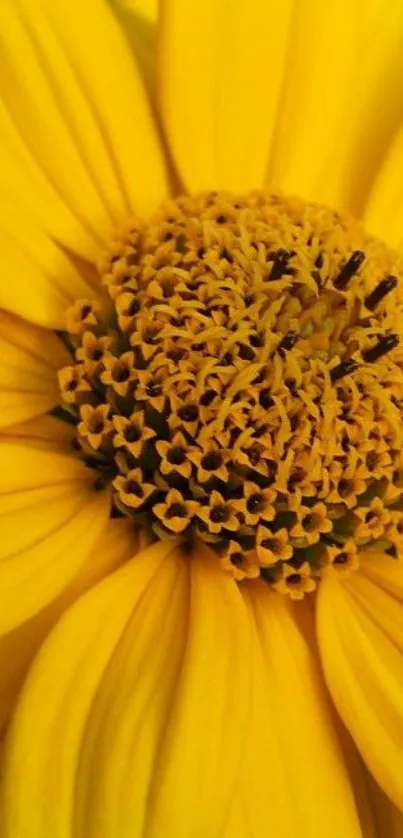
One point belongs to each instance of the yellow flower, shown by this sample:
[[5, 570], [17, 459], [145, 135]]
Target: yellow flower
[[181, 340]]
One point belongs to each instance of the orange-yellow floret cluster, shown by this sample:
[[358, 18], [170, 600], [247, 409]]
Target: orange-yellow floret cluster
[[244, 384]]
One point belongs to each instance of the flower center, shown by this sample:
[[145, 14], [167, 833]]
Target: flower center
[[244, 385]]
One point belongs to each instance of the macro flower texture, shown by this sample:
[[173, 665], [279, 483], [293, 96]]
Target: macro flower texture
[[201, 432]]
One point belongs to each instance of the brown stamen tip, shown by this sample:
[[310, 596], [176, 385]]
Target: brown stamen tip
[[381, 290], [289, 340], [385, 345], [280, 264], [349, 269], [342, 369]]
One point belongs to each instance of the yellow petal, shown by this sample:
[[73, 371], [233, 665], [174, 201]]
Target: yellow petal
[[168, 728], [42, 432], [221, 71], [146, 8], [29, 360], [155, 728], [116, 544], [70, 674], [379, 817], [293, 780], [38, 280], [50, 520], [81, 116], [138, 20], [383, 209], [360, 629], [169, 717], [341, 99]]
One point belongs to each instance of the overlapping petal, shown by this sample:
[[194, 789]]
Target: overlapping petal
[[79, 150], [56, 541], [379, 817], [50, 520], [29, 360], [221, 72], [341, 100], [184, 723], [383, 215], [292, 765], [360, 627]]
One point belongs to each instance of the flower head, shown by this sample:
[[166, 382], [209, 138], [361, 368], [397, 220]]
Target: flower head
[[201, 392]]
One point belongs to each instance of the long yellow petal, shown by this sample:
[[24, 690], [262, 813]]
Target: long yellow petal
[[50, 520], [383, 209], [70, 674], [29, 360], [293, 780], [171, 712], [341, 101], [116, 544], [379, 818], [81, 116], [138, 21], [360, 629], [221, 71]]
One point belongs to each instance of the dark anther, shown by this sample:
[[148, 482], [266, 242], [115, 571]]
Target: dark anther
[[269, 543], [85, 311], [221, 219], [292, 385], [188, 413], [254, 455], [207, 397], [265, 399], [176, 354], [342, 369], [246, 352], [132, 433], [256, 340], [344, 487], [121, 374], [319, 260], [176, 456], [211, 461], [382, 289], [176, 510], [134, 488], [226, 255], [371, 460], [97, 426], [236, 558], [341, 558], [168, 236], [227, 359], [280, 264], [219, 514], [349, 269], [133, 307], [254, 503], [201, 252], [386, 344], [289, 340], [97, 354], [294, 579], [154, 389]]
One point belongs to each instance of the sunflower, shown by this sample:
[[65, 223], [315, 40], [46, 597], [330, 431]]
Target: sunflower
[[201, 389]]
